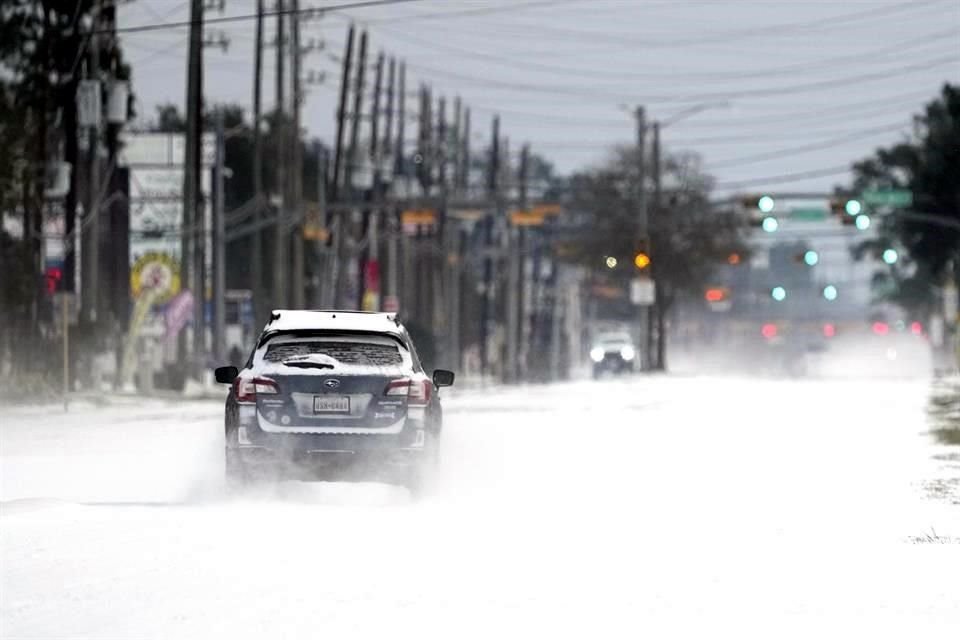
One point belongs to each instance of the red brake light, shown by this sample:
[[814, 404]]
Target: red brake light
[[246, 390], [419, 393], [881, 328], [416, 391], [769, 330]]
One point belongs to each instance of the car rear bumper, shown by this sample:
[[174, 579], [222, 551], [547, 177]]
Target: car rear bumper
[[408, 436]]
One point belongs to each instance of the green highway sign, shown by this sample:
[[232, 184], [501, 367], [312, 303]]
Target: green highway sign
[[808, 213], [888, 197]]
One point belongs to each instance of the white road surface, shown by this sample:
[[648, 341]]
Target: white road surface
[[673, 507]]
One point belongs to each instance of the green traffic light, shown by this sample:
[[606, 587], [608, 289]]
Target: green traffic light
[[863, 222], [890, 256], [770, 224], [766, 204], [778, 293], [811, 258], [830, 292], [853, 207]]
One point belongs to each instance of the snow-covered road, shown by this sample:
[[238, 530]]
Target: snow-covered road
[[665, 506]]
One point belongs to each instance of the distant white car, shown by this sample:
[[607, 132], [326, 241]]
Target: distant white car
[[613, 353]]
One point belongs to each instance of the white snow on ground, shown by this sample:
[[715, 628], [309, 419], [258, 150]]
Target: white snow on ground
[[665, 507]]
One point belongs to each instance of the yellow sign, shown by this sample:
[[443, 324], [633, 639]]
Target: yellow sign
[[418, 217], [526, 218], [157, 272], [315, 232], [546, 209]]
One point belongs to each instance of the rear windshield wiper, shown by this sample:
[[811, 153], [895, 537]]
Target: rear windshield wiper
[[311, 361]]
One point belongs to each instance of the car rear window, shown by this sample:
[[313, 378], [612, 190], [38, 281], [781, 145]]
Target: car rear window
[[359, 353]]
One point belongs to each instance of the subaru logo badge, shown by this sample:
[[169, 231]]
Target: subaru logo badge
[[331, 383]]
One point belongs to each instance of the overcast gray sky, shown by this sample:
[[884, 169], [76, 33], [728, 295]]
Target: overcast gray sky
[[798, 86]]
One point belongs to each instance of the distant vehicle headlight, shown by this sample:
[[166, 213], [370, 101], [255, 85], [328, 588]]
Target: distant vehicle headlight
[[627, 353], [596, 354]]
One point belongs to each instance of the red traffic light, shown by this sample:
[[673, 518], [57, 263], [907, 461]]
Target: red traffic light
[[829, 330], [715, 294], [769, 330]]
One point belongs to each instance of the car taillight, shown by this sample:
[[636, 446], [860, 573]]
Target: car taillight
[[265, 386], [246, 390], [417, 392]]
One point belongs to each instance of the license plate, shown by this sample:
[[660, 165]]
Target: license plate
[[331, 404]]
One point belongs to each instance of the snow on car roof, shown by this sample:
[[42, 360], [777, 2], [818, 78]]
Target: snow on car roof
[[333, 320]]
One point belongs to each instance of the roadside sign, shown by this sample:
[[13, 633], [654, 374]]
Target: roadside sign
[[643, 292], [316, 232], [808, 213], [546, 209], [413, 217], [526, 218], [68, 299], [888, 197]]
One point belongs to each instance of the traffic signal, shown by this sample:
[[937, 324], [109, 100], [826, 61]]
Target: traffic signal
[[769, 224], [778, 293], [52, 279], [830, 293], [716, 294], [890, 256], [733, 259], [846, 209], [641, 260], [762, 202], [809, 258]]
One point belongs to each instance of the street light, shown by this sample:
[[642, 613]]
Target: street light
[[611, 262]]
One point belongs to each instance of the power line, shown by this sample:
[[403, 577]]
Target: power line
[[157, 26], [785, 177], [826, 144], [776, 30], [511, 7]]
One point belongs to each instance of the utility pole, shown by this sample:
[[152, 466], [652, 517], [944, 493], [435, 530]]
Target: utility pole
[[513, 280], [455, 143], [442, 271], [642, 239], [219, 249], [386, 166], [296, 180], [256, 242], [655, 319], [494, 198], [465, 154], [399, 173], [371, 271], [341, 116], [191, 186], [281, 184], [348, 228], [337, 226], [90, 268]]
